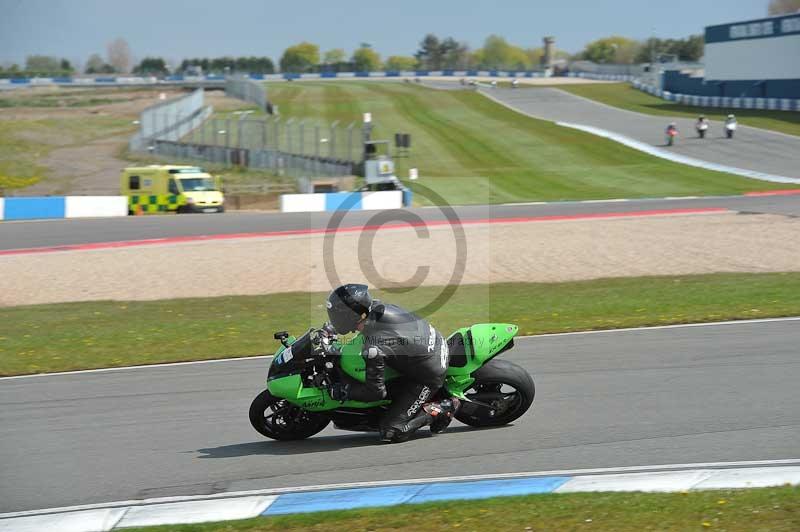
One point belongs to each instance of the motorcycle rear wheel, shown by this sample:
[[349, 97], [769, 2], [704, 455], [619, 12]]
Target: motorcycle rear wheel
[[505, 385], [280, 420]]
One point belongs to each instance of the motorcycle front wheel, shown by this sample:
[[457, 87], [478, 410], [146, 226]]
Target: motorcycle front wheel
[[507, 387], [281, 420]]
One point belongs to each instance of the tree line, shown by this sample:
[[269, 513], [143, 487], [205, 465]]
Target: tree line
[[433, 53], [621, 50]]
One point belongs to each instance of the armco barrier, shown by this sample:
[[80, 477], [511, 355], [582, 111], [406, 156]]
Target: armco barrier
[[352, 201], [55, 207]]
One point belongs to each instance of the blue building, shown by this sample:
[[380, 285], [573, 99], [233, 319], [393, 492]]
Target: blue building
[[755, 58]]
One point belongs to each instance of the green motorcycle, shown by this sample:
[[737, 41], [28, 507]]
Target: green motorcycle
[[297, 403]]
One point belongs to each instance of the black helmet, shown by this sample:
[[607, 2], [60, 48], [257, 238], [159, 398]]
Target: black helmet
[[347, 305]]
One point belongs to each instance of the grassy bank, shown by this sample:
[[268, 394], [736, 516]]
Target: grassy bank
[[624, 96], [472, 150], [74, 139], [25, 142], [46, 338], [765, 509]]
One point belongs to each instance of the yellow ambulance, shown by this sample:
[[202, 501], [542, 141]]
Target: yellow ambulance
[[171, 188]]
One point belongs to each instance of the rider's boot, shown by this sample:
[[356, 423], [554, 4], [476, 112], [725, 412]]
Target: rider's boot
[[437, 414], [442, 413], [401, 433]]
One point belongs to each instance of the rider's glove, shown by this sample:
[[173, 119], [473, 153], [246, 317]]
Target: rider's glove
[[340, 392]]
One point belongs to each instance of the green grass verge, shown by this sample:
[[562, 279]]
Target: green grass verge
[[472, 150], [66, 97], [61, 337], [624, 96], [764, 509], [25, 143]]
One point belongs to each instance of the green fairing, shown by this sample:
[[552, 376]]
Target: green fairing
[[353, 363], [486, 341]]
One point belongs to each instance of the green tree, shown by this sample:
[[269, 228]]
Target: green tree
[[783, 7], [475, 58], [151, 66], [688, 49], [366, 60], [42, 64], [498, 54], [691, 48], [96, 65], [266, 66], [400, 63], [335, 56], [301, 57], [223, 64], [429, 56], [455, 54], [535, 55], [336, 61], [66, 67], [610, 50]]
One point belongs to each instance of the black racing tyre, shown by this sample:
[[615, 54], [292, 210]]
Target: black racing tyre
[[504, 385], [280, 420]]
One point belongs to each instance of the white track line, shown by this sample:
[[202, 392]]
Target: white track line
[[673, 326], [378, 483], [143, 366], [263, 357]]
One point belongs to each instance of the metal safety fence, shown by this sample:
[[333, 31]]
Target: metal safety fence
[[170, 120], [181, 129], [281, 163], [247, 90], [290, 147]]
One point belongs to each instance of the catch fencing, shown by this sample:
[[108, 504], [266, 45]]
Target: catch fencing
[[170, 120], [247, 90], [292, 148], [181, 129]]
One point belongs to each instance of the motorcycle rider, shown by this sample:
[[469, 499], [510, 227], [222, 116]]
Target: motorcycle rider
[[672, 132], [701, 126], [399, 339], [730, 126]]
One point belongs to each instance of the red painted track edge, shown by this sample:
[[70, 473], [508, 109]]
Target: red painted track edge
[[316, 231]]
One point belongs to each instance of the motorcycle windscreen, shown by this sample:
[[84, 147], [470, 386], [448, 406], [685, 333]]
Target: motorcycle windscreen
[[293, 359]]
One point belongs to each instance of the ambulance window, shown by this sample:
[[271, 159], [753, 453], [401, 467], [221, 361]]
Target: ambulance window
[[173, 187], [133, 182]]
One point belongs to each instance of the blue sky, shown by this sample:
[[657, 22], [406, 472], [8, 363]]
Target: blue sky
[[191, 28]]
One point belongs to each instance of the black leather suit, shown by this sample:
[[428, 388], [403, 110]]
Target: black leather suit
[[409, 344]]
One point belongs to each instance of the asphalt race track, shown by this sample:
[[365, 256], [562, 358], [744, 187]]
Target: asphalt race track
[[723, 392], [751, 148], [44, 233]]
